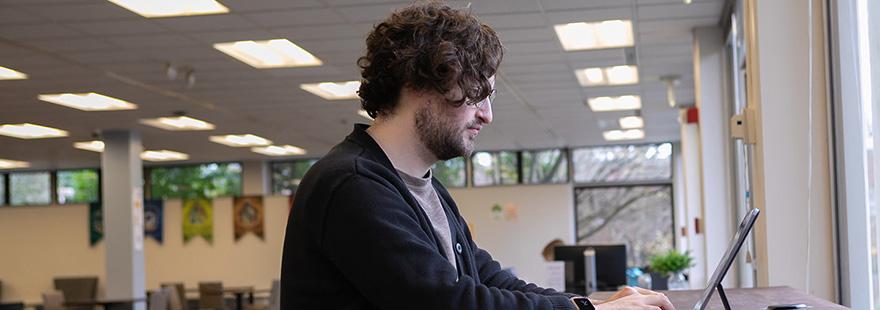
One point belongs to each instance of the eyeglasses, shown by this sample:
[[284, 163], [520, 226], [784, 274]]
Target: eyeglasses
[[479, 104]]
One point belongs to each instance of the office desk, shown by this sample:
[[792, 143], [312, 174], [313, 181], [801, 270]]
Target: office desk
[[743, 298]]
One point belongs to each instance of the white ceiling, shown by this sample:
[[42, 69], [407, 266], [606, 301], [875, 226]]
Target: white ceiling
[[94, 45]]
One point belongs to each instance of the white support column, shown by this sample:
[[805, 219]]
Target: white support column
[[794, 244], [714, 146], [255, 178], [691, 166], [122, 188]]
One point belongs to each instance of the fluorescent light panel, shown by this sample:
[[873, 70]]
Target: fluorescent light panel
[[279, 150], [163, 155], [178, 123], [31, 131], [595, 35], [333, 90], [245, 140], [88, 101], [617, 75], [9, 74], [13, 164], [622, 103], [94, 146], [632, 122], [168, 8], [617, 135], [277, 53]]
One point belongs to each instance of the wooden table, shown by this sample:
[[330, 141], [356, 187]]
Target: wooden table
[[743, 298], [238, 291]]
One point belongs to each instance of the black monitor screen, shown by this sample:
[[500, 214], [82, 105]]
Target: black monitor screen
[[610, 266]]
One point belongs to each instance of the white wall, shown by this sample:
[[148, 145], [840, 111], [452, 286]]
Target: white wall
[[546, 212], [40, 243]]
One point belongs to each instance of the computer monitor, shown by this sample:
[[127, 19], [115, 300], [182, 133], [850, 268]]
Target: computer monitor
[[610, 266]]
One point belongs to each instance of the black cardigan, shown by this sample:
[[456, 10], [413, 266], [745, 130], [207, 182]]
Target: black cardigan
[[357, 239]]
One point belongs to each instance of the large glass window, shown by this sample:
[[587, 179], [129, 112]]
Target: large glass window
[[78, 186], [30, 188], [638, 216], [452, 173], [287, 175], [550, 166], [495, 168], [207, 180], [623, 163]]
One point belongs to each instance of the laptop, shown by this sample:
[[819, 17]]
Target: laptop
[[715, 282]]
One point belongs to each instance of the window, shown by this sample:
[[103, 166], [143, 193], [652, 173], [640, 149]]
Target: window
[[638, 216], [452, 173], [29, 188], [540, 167], [78, 186], [287, 175], [2, 189], [495, 168], [623, 163], [207, 180]]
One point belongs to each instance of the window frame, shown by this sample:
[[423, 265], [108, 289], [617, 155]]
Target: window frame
[[148, 177], [56, 179]]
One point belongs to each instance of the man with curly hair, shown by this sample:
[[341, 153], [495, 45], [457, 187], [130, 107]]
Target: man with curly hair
[[371, 228]]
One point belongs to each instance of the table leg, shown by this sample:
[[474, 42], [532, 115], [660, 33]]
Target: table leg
[[238, 300]]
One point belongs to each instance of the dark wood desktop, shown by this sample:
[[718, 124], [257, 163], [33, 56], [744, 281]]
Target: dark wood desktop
[[744, 298]]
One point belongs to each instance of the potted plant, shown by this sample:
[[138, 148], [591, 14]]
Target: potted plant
[[672, 264]]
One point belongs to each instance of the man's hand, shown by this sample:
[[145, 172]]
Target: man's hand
[[635, 298]]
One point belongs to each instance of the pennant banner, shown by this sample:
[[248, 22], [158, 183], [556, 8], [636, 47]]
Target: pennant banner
[[96, 223], [248, 216], [198, 219], [153, 219]]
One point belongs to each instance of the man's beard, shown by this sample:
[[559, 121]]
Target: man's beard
[[441, 135]]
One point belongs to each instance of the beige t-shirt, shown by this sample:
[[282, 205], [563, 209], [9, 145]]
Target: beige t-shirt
[[429, 200]]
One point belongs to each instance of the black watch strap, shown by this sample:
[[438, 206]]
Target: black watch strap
[[582, 303]]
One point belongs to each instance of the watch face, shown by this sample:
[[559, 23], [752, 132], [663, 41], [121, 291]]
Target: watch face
[[583, 303]]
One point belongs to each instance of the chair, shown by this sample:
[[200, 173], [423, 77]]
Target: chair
[[158, 300], [211, 296], [78, 289], [275, 296], [173, 298], [180, 293], [53, 300]]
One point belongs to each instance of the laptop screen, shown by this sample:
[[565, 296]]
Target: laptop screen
[[744, 228]]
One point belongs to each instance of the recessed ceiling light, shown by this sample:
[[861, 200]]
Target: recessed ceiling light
[[596, 35], [365, 114], [13, 164], [616, 135], [276, 53], [279, 150], [622, 103], [617, 75], [168, 8], [94, 146], [31, 131], [88, 101], [334, 90], [632, 122], [163, 155], [178, 123], [9, 74], [245, 140]]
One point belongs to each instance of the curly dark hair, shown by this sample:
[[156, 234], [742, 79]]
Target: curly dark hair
[[428, 46]]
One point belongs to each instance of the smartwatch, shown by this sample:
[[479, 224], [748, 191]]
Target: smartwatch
[[582, 303]]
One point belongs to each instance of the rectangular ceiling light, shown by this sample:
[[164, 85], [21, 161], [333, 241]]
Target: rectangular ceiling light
[[334, 90], [31, 131], [596, 35], [245, 140], [13, 164], [279, 150], [163, 155], [278, 53], [622, 103], [169, 8], [88, 101], [178, 123], [9, 74], [94, 146], [632, 122], [617, 75], [617, 135]]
